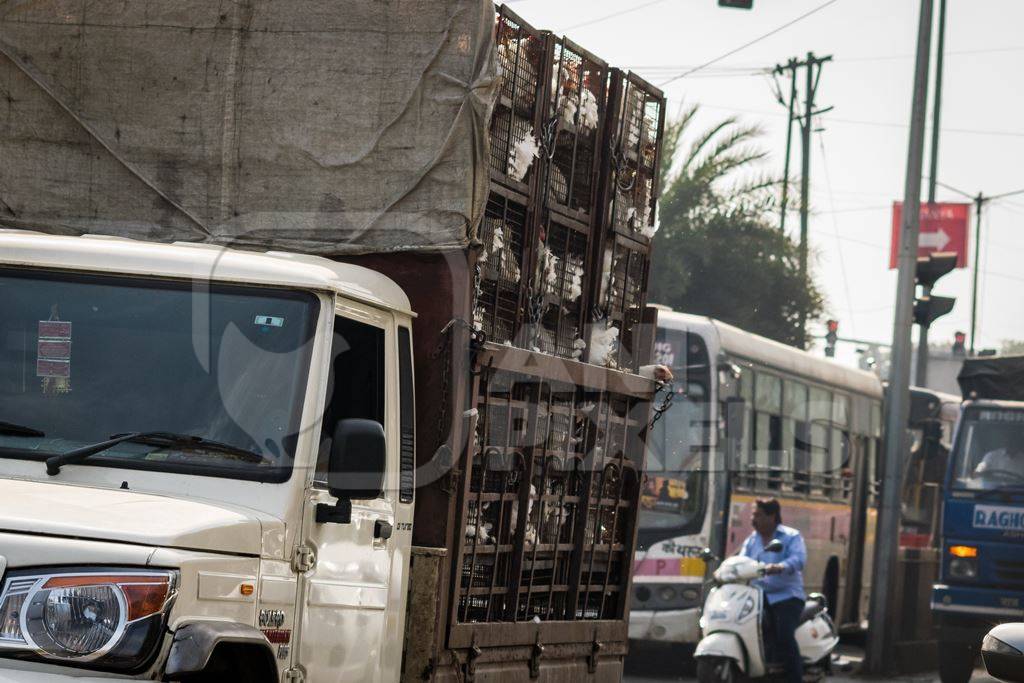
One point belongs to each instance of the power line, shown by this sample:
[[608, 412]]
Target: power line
[[756, 69], [835, 230], [614, 14], [748, 44], [862, 122]]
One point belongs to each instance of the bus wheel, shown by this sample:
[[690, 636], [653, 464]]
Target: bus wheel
[[956, 662], [716, 670]]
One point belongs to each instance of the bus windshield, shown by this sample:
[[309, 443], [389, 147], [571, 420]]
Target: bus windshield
[[674, 492], [990, 450], [87, 357]]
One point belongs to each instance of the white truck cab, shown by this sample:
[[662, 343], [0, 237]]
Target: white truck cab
[[205, 463]]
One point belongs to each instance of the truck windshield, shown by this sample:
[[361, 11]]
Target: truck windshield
[[84, 357], [990, 450], [674, 485]]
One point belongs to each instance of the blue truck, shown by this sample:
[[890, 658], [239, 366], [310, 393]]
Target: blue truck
[[981, 578]]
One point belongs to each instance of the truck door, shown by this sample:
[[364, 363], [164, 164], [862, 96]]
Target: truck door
[[353, 595]]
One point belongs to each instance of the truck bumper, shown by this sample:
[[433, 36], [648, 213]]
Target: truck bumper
[[670, 626], [965, 614]]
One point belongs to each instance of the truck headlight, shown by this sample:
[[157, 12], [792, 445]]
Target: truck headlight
[[107, 619], [963, 568]]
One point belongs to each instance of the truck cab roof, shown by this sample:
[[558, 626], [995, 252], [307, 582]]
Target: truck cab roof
[[105, 254]]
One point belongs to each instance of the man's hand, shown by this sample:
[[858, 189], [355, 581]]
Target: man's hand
[[774, 569]]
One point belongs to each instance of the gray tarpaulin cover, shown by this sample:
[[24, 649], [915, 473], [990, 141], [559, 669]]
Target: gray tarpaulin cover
[[323, 126]]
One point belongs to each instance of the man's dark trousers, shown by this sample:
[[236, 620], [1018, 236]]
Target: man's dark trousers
[[785, 617]]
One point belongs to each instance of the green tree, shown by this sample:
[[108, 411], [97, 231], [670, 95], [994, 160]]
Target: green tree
[[719, 251], [1012, 347]]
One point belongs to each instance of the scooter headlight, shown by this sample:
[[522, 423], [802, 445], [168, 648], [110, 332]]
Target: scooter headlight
[[111, 620]]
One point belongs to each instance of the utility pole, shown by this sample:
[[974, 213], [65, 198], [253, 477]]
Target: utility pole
[[921, 376], [791, 66], [898, 404], [812, 66], [979, 203]]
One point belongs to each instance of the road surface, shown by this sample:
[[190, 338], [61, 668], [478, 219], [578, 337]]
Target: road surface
[[655, 667]]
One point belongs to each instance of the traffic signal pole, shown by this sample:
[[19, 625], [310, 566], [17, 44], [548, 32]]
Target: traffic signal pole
[[979, 204], [898, 404], [921, 375]]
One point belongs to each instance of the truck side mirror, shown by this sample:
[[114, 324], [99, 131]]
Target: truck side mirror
[[735, 418], [358, 460]]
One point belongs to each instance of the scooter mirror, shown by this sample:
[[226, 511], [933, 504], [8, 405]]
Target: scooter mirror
[[775, 546]]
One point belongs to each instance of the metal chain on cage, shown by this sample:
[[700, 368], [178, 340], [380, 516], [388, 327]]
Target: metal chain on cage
[[443, 345], [659, 411]]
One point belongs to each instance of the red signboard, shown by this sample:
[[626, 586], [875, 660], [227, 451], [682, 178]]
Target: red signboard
[[944, 227]]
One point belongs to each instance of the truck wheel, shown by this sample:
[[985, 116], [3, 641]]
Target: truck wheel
[[956, 662], [716, 670]]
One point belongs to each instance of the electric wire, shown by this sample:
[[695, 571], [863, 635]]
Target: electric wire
[[606, 17], [835, 230], [730, 53], [862, 122]]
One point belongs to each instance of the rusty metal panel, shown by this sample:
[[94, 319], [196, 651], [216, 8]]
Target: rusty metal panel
[[426, 573]]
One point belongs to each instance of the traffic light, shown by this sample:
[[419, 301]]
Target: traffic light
[[737, 4], [831, 338], [959, 349], [930, 268], [928, 309]]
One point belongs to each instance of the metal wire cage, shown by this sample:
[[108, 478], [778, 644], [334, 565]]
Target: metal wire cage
[[515, 126], [575, 119], [618, 309], [550, 494], [637, 130], [558, 288], [502, 266]]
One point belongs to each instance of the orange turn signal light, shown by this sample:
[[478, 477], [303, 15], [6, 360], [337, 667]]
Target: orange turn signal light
[[247, 589], [963, 550]]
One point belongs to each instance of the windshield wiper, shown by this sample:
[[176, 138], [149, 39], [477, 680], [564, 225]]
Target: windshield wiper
[[11, 429], [54, 463]]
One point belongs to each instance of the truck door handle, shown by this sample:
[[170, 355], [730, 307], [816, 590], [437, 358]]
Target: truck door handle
[[382, 529]]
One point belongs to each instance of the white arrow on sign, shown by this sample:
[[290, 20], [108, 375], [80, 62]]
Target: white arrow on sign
[[934, 240]]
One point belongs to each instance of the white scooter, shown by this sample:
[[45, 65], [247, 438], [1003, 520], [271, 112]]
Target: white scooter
[[732, 646]]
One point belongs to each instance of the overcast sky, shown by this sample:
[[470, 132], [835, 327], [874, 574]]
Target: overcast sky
[[858, 161]]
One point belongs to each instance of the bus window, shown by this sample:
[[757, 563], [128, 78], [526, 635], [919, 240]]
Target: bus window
[[746, 450], [674, 490], [819, 457], [768, 426], [797, 440], [820, 414], [838, 486]]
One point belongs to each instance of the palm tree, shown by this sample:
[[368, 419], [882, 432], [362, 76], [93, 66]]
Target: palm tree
[[718, 252]]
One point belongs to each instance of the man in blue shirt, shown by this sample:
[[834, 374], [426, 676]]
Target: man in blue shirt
[[783, 584]]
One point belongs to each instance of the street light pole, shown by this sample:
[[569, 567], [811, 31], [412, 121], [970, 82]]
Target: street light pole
[[898, 404]]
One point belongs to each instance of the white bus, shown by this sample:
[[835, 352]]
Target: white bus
[[803, 429]]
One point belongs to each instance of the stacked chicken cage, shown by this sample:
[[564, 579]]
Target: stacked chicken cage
[[566, 239], [552, 454]]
